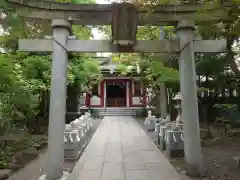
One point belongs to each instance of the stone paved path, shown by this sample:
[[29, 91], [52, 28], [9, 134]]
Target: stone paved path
[[121, 150]]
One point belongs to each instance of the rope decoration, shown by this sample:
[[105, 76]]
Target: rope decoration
[[60, 45]]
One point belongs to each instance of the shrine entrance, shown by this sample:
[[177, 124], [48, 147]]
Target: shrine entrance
[[124, 19], [116, 95]]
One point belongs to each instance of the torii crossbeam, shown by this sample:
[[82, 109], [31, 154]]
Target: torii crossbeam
[[101, 14], [142, 46], [92, 14]]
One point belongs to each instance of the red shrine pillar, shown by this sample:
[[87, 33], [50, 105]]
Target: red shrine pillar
[[88, 99]]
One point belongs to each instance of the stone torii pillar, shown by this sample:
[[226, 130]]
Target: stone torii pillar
[[188, 86], [55, 152], [163, 94]]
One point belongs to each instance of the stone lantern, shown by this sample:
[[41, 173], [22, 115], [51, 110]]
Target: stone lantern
[[178, 106], [124, 26]]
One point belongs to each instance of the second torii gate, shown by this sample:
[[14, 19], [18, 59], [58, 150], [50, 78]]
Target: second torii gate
[[124, 19]]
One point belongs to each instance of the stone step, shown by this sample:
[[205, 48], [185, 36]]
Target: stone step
[[108, 114], [117, 112]]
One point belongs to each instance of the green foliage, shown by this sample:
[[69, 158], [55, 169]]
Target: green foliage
[[227, 113], [156, 72], [19, 93], [153, 32], [124, 69], [25, 79], [210, 64], [25, 76], [84, 71], [202, 89], [153, 71]]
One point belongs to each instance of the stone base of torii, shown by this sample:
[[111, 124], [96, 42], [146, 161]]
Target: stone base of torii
[[64, 177]]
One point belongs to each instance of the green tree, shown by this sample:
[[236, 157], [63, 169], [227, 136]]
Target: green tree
[[26, 76]]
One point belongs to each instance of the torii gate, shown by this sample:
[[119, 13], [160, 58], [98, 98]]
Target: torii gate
[[124, 19]]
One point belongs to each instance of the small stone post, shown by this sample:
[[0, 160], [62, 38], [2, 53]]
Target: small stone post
[[163, 95], [192, 145], [57, 113]]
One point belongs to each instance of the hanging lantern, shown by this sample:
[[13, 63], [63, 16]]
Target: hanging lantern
[[124, 26]]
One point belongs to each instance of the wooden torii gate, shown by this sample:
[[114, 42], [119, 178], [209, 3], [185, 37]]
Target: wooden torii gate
[[124, 19]]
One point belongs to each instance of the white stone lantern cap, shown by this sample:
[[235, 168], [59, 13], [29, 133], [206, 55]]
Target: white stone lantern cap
[[68, 128], [178, 97], [74, 124]]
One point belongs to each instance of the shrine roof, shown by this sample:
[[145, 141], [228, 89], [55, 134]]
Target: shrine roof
[[113, 67]]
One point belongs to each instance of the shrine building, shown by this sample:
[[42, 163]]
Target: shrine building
[[117, 94]]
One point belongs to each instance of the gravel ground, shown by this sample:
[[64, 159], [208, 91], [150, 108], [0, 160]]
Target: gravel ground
[[34, 169], [218, 157], [219, 160]]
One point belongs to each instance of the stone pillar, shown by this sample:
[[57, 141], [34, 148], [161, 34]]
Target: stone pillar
[[163, 94], [105, 94], [163, 100], [127, 94], [57, 113], [192, 145]]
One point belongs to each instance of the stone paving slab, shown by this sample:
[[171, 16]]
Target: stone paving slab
[[121, 150]]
